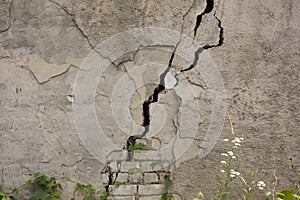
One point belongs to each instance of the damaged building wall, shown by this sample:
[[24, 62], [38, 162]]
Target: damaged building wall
[[254, 44]]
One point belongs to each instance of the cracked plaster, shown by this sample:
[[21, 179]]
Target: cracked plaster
[[258, 61]]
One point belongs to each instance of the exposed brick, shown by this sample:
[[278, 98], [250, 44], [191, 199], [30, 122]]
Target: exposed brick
[[151, 178], [146, 167], [121, 198], [152, 197], [145, 155], [124, 190], [153, 189], [125, 166], [144, 141], [113, 166], [122, 177], [118, 156], [158, 197], [136, 178], [105, 178], [155, 144]]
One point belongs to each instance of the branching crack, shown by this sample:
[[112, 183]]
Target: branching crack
[[196, 59], [209, 7], [151, 99], [154, 97], [208, 46], [74, 21], [221, 35], [111, 178]]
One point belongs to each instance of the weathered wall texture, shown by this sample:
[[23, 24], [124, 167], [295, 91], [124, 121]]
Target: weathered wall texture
[[43, 42]]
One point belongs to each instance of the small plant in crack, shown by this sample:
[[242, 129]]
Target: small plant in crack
[[105, 194], [50, 188], [89, 192], [134, 170], [4, 196], [168, 182], [157, 163], [139, 146], [167, 196]]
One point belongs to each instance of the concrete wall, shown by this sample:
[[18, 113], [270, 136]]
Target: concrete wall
[[254, 45]]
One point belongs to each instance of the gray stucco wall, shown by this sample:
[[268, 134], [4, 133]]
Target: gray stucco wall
[[43, 44]]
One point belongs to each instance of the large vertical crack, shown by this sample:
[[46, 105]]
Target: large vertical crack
[[146, 105], [161, 87], [209, 7], [154, 97], [208, 46]]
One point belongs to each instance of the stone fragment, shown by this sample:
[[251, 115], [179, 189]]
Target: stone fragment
[[152, 197], [148, 167], [155, 144], [121, 198], [126, 166], [123, 190], [153, 189], [118, 156], [122, 177], [43, 71], [136, 178], [151, 178], [105, 178]]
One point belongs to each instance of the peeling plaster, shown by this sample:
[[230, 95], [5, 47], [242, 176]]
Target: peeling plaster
[[43, 71]]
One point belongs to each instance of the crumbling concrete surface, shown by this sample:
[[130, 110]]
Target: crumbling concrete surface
[[255, 45]]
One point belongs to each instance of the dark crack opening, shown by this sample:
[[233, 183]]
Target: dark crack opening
[[221, 35], [160, 88], [209, 7], [208, 46], [146, 105], [111, 178], [197, 53]]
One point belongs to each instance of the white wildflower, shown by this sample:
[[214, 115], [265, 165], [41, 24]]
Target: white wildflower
[[224, 154], [223, 162], [237, 144], [232, 175], [236, 140], [233, 157], [226, 140], [261, 185], [230, 153], [222, 171], [241, 138]]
